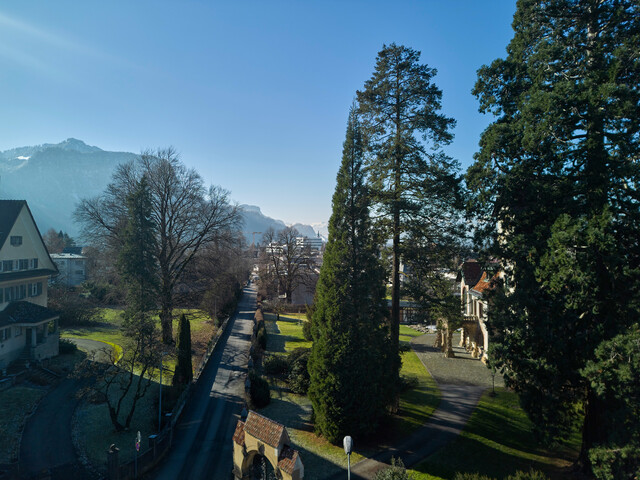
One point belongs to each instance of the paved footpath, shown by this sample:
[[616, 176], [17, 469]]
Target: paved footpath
[[202, 447], [461, 382], [46, 449]]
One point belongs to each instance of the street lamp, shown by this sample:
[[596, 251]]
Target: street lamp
[[160, 401], [348, 446]]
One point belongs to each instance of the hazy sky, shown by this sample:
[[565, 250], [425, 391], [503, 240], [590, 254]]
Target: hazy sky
[[253, 94]]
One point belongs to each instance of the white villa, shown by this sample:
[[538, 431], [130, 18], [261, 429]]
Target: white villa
[[28, 329]]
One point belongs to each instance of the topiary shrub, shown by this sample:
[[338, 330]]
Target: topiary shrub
[[276, 365], [261, 335], [298, 377], [259, 394]]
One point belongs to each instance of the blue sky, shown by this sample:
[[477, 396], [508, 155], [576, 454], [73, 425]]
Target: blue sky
[[253, 94]]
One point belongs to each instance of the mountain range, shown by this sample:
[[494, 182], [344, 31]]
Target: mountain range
[[53, 178]]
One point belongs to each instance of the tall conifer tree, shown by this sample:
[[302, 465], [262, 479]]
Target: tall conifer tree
[[557, 192], [350, 361], [410, 177]]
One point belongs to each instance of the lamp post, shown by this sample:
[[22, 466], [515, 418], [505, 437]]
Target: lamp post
[[348, 446], [160, 400]]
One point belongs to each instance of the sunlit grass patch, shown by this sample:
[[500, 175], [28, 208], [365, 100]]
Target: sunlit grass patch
[[497, 441]]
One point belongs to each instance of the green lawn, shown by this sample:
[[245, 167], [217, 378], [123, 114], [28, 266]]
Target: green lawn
[[321, 458], [16, 403], [108, 330], [497, 442], [95, 431]]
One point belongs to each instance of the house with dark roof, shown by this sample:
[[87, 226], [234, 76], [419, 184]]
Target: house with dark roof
[[28, 329]]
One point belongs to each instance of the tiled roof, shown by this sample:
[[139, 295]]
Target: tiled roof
[[9, 211], [238, 435], [25, 312], [485, 283], [471, 272], [287, 460], [264, 429]]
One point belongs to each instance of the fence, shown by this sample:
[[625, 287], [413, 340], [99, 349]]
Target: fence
[[159, 445]]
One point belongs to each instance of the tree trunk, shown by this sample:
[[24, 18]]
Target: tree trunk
[[593, 429], [166, 319], [448, 344]]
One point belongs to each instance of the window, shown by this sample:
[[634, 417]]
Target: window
[[5, 334], [34, 263], [23, 264], [16, 240], [18, 331], [8, 294], [7, 265], [1, 295], [35, 289], [22, 292]]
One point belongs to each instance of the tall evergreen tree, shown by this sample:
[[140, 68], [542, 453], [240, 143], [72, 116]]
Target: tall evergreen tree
[[350, 362], [137, 262], [557, 193], [404, 130], [184, 369]]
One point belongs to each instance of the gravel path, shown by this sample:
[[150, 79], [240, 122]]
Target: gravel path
[[462, 370]]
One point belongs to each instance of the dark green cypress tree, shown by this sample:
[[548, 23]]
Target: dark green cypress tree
[[350, 361], [184, 369]]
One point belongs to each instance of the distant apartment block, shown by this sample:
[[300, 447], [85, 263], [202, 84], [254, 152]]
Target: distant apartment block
[[72, 268]]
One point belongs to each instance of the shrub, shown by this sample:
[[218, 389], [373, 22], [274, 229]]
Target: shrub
[[471, 476], [408, 382], [530, 475], [276, 365], [298, 378], [259, 394], [66, 346], [261, 335], [306, 330], [395, 472]]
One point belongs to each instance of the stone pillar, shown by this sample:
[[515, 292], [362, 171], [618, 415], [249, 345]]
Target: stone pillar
[[34, 336], [113, 466], [152, 444]]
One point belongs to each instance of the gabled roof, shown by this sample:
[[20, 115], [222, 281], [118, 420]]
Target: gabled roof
[[9, 211], [264, 429], [25, 312], [238, 435], [287, 460]]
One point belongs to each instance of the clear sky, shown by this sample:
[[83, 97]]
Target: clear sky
[[253, 94]]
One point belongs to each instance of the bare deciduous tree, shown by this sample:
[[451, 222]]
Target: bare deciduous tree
[[289, 260], [187, 216]]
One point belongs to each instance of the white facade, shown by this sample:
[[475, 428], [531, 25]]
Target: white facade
[[72, 268], [25, 267]]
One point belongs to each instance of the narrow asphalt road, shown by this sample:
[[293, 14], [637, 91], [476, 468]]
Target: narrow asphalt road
[[202, 447]]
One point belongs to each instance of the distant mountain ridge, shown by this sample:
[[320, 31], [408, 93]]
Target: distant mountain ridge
[[53, 178]]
